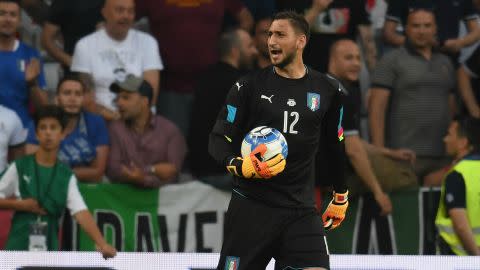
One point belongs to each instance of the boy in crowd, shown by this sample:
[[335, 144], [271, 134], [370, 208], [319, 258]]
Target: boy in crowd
[[44, 187]]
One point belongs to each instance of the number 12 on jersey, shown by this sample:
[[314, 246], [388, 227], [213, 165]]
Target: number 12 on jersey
[[291, 118]]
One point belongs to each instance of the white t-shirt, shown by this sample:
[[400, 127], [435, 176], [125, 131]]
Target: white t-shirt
[[107, 60], [11, 133], [9, 186]]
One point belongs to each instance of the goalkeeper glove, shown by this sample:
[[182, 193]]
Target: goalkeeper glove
[[335, 212], [252, 167]]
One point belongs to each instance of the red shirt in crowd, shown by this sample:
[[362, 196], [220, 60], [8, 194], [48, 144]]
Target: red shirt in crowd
[[187, 32]]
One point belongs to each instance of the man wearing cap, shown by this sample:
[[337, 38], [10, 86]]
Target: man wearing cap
[[146, 150]]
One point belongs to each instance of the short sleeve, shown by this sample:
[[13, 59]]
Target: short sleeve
[[98, 132], [9, 182], [234, 6], [81, 59], [384, 75], [75, 201], [19, 134], [151, 54], [455, 191], [57, 12]]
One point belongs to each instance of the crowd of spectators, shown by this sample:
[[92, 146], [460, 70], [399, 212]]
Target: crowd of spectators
[[140, 105]]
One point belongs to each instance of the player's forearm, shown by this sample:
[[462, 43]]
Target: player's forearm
[[337, 159], [87, 223], [220, 148]]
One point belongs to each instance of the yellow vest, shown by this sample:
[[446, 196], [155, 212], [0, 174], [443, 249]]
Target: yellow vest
[[470, 170]]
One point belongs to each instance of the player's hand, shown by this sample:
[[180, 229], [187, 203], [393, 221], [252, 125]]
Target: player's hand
[[32, 206], [107, 251], [335, 212], [251, 166]]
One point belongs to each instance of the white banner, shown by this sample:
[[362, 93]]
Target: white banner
[[194, 213], [176, 261]]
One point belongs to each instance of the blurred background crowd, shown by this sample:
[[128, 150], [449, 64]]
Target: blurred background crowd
[[409, 66]]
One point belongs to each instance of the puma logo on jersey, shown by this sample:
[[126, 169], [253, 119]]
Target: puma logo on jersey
[[267, 98], [27, 178], [238, 86]]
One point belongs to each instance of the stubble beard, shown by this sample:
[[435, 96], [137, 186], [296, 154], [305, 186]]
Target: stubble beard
[[286, 61]]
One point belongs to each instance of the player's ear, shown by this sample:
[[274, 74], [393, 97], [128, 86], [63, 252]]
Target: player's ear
[[301, 42]]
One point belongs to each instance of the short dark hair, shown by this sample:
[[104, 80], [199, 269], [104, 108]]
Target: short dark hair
[[335, 45], [72, 76], [228, 40], [296, 20], [50, 111], [418, 8], [469, 127]]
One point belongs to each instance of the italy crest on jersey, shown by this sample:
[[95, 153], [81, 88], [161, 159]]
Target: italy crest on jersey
[[313, 101]]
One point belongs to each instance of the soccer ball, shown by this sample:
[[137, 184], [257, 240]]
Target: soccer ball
[[271, 137]]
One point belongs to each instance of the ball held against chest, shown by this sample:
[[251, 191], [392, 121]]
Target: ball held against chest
[[272, 138]]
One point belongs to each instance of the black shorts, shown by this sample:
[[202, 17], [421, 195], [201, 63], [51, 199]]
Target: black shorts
[[256, 232]]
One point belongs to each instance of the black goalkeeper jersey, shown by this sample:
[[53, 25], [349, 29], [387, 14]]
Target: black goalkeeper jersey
[[305, 110]]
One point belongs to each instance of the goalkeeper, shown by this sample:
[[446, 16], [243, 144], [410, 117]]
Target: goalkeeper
[[271, 213]]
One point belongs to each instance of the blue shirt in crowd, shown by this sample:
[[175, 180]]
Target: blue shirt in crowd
[[14, 93], [79, 147]]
